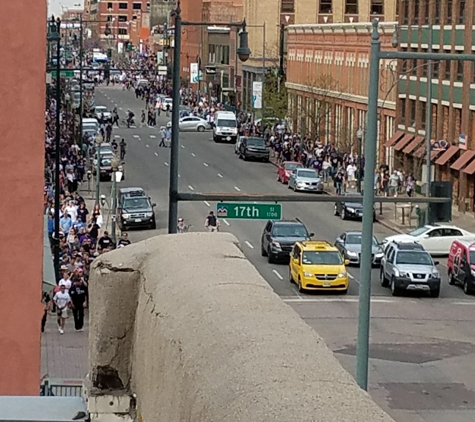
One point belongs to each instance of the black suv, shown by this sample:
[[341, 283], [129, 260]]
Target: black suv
[[253, 147], [135, 209], [279, 237]]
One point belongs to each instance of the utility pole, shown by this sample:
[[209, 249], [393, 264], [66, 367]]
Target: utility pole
[[81, 58], [429, 121]]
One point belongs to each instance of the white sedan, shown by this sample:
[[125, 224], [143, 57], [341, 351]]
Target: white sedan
[[435, 239], [100, 111], [192, 124]]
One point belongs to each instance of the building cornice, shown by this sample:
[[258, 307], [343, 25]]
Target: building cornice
[[342, 28]]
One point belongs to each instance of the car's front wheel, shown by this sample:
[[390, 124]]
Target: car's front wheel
[[383, 279], [335, 210], [395, 291], [343, 214], [201, 128], [270, 257]]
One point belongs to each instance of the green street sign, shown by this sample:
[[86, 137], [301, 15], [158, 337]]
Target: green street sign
[[63, 73], [246, 211]]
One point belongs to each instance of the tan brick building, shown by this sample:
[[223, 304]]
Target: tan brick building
[[327, 81]]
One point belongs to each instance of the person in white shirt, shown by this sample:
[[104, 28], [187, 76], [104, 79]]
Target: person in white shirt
[[351, 173], [72, 210], [65, 281], [62, 300]]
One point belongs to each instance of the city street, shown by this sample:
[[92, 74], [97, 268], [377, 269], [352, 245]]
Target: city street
[[420, 346]]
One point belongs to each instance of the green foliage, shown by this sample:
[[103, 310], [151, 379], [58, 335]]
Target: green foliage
[[275, 94]]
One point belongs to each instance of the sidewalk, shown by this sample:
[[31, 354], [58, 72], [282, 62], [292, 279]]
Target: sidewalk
[[391, 215]]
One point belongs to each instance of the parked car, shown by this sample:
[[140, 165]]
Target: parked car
[[279, 237], [461, 265], [285, 170], [349, 244], [406, 266], [306, 180], [436, 239], [347, 209], [101, 111], [135, 209], [253, 147]]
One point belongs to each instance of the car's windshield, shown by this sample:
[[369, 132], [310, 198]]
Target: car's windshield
[[413, 258], [307, 173], [255, 142], [292, 166], [226, 123], [106, 161], [290, 230], [355, 239], [321, 258], [472, 257], [136, 203], [418, 231]]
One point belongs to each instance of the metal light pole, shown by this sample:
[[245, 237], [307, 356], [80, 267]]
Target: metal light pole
[[55, 35], [429, 120], [81, 58], [115, 166], [359, 138], [362, 349], [99, 140]]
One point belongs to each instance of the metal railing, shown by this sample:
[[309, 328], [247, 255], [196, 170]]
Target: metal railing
[[67, 389]]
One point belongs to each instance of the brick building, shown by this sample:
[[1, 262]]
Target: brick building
[[327, 82], [453, 94]]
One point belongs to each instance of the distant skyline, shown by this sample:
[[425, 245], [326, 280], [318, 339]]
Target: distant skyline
[[56, 7]]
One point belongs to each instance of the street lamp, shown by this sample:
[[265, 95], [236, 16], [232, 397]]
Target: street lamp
[[115, 163], [54, 35], [243, 53], [99, 140], [359, 137]]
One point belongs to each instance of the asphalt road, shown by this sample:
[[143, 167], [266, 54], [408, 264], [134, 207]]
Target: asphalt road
[[432, 338]]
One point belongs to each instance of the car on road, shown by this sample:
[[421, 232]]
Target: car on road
[[436, 239], [349, 245], [251, 147], [100, 111], [192, 124], [225, 127], [316, 265], [406, 266], [461, 265], [305, 180], [167, 102], [347, 209], [285, 169], [279, 237], [135, 209]]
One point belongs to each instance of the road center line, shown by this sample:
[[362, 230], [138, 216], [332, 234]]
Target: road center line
[[206, 165], [235, 187], [226, 222], [277, 274], [152, 136], [248, 244], [116, 136], [156, 154], [166, 164], [220, 175], [147, 146], [136, 136], [191, 187], [183, 146], [207, 203], [193, 154]]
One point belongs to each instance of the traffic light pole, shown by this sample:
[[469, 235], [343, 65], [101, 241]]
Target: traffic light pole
[[81, 58]]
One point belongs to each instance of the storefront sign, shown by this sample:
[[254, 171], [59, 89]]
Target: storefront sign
[[463, 141]]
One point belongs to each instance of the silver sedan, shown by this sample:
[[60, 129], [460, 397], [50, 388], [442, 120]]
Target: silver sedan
[[192, 124], [306, 180]]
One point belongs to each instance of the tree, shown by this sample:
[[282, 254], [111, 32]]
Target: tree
[[275, 94]]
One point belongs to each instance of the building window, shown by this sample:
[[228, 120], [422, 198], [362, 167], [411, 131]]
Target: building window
[[287, 6], [413, 112], [435, 69], [446, 74], [351, 7], [406, 12], [109, 18], [137, 6], [416, 12], [461, 16], [122, 31], [424, 67], [437, 12], [325, 6], [212, 54], [123, 18], [450, 4], [224, 53], [403, 109], [123, 6], [460, 70], [423, 115], [109, 5], [377, 7], [426, 11]]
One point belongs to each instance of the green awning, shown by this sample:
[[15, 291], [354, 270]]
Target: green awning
[[49, 277]]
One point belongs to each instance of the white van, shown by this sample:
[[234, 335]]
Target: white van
[[225, 127]]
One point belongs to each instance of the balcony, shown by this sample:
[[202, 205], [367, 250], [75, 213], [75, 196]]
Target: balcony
[[351, 18], [325, 18], [377, 16]]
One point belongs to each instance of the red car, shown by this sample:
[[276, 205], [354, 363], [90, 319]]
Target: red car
[[286, 169]]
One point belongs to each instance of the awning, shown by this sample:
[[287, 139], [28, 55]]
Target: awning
[[447, 155], [393, 139], [463, 160], [49, 277], [434, 154], [470, 168], [404, 141], [421, 151], [413, 144]]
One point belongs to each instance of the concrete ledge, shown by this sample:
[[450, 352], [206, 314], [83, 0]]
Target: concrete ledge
[[189, 326]]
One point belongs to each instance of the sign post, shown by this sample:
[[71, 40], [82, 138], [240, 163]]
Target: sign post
[[63, 74], [257, 95], [249, 211]]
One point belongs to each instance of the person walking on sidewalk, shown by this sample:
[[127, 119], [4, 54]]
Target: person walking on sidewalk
[[142, 119], [62, 300], [78, 293], [123, 148], [163, 137]]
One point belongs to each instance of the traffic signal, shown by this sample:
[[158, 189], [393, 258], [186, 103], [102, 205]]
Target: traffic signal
[[440, 212]]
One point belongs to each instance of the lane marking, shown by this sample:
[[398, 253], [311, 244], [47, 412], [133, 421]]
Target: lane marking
[[248, 244], [277, 274], [190, 187], [226, 222], [120, 108], [348, 300], [183, 146], [235, 187], [136, 136], [220, 175], [206, 165], [116, 136], [156, 154], [179, 176], [152, 136], [207, 203], [166, 164], [193, 154], [147, 146]]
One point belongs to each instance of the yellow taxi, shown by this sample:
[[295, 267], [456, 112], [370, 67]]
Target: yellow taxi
[[317, 265]]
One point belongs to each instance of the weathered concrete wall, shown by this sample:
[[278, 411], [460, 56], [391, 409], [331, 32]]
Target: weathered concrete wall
[[188, 325]]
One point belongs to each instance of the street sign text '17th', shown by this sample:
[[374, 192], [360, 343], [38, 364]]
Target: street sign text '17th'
[[246, 211]]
